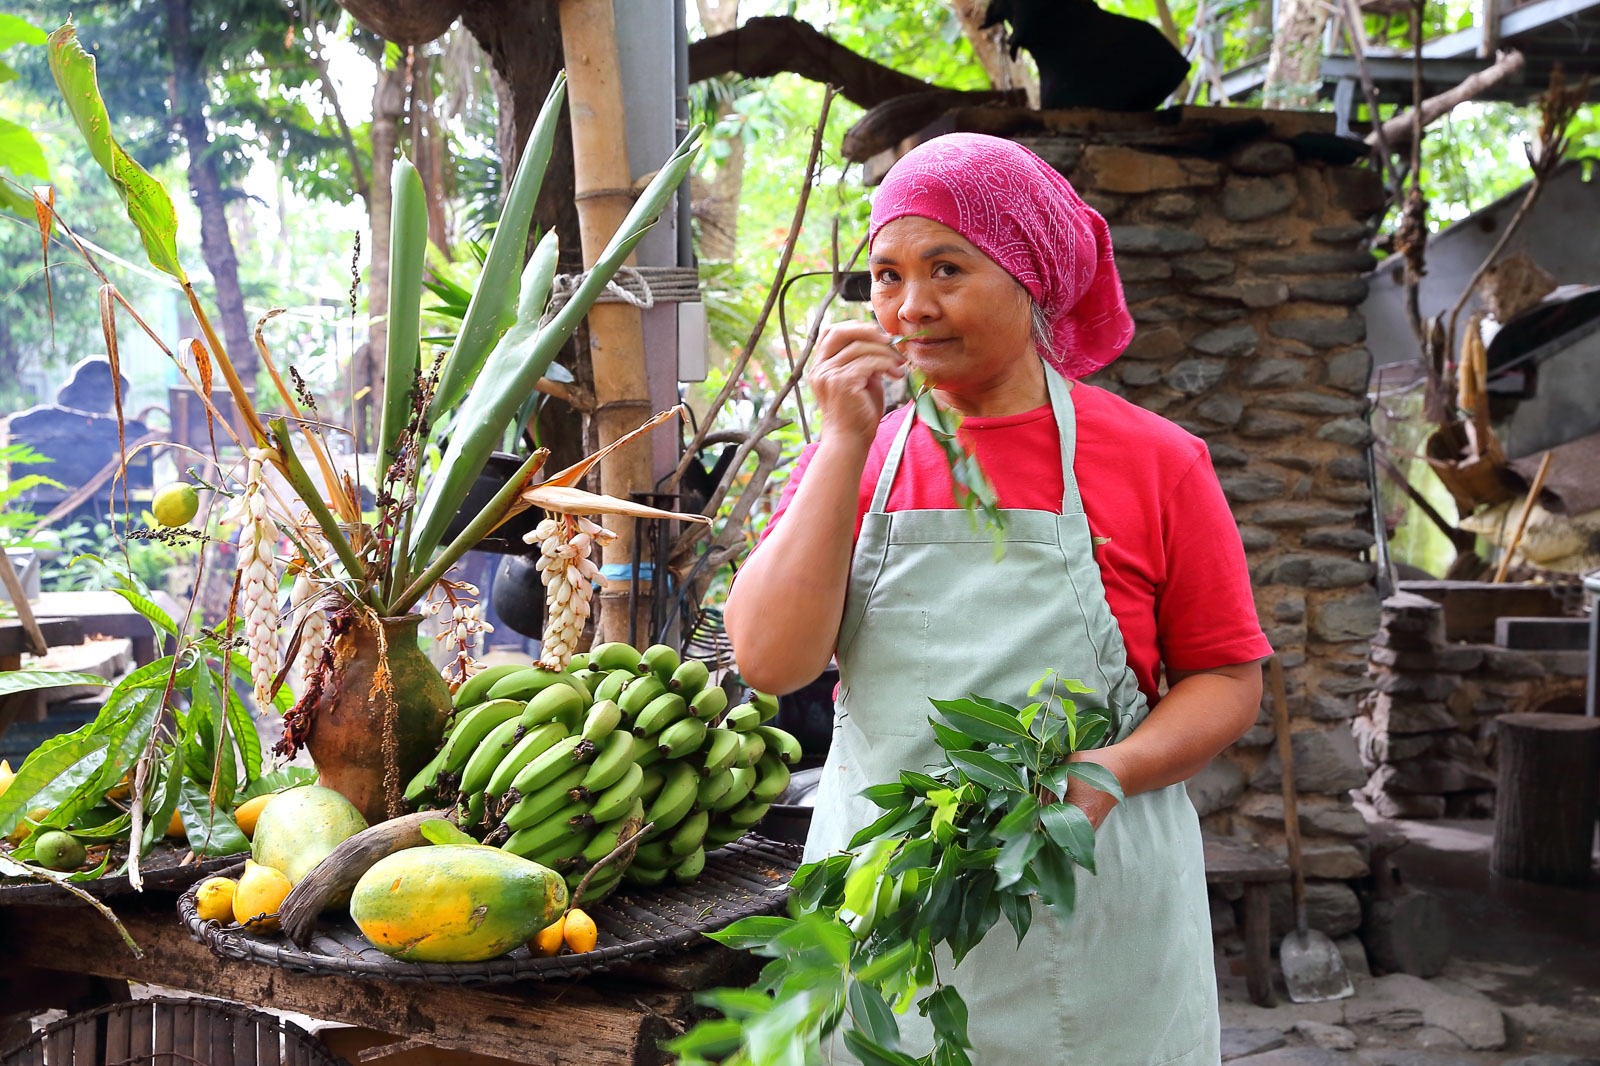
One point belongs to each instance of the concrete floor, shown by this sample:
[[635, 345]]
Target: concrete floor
[[1528, 953]]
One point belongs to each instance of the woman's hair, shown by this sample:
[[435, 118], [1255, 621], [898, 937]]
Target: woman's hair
[[1043, 330]]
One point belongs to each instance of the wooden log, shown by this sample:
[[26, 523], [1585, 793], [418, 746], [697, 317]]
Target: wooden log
[[337, 874], [1545, 809], [556, 1023]]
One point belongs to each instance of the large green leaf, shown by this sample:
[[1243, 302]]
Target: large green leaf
[[981, 722], [211, 829], [277, 781], [492, 298], [1069, 827], [146, 200], [408, 248], [873, 1016], [986, 770], [495, 399], [51, 774], [15, 30], [152, 612], [751, 932], [14, 681], [1093, 774], [21, 151]]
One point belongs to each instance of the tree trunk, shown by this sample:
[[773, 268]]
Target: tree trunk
[[1544, 811], [205, 187], [601, 181], [1294, 69], [428, 152], [523, 43], [990, 47], [388, 107], [719, 214]]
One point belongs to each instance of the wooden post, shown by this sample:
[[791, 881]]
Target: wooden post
[[602, 184], [1545, 809]]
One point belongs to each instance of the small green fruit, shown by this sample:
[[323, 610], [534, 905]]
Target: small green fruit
[[58, 851], [176, 504]]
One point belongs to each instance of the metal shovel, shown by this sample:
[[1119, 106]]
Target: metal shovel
[[1312, 967]]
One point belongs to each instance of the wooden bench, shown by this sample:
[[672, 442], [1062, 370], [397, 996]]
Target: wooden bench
[[1255, 869]]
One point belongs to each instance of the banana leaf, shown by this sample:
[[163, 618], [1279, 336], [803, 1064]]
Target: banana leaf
[[408, 246], [147, 203], [495, 399], [486, 313]]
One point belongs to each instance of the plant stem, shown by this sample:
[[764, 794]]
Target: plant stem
[[241, 399], [298, 478], [494, 513]]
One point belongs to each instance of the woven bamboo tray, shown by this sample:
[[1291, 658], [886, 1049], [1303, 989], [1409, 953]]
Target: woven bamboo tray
[[163, 871], [749, 877], [170, 1032]]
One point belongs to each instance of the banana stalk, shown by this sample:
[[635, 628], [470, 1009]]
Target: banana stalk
[[494, 401], [486, 312], [408, 246]]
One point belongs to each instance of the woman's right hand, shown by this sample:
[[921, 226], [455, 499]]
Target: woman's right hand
[[847, 378]]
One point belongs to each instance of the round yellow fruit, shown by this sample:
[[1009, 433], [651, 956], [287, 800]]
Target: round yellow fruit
[[175, 825], [213, 900], [248, 811], [258, 895], [547, 941], [176, 504], [26, 826], [579, 931]]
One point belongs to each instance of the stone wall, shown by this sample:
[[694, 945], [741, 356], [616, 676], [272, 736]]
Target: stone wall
[[1427, 731], [1241, 240]]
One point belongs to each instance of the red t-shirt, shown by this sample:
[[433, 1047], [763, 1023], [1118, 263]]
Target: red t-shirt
[[1172, 564]]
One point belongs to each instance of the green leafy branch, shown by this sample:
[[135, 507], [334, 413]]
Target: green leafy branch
[[954, 851], [973, 490]]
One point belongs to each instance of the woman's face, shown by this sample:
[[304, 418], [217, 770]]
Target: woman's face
[[975, 319]]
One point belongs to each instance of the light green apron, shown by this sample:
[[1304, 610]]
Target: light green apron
[[1128, 979]]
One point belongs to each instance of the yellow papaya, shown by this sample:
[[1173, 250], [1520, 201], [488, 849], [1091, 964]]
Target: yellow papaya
[[299, 827], [455, 902]]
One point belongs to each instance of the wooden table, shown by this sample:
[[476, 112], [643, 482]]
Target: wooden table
[[54, 956], [1255, 869], [28, 706], [105, 614]]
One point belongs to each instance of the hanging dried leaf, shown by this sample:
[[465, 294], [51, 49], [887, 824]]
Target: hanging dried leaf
[[564, 500]]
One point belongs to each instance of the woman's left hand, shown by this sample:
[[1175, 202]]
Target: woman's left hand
[[1094, 803]]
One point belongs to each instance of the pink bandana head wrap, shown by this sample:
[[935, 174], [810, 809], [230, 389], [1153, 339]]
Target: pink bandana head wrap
[[1026, 217]]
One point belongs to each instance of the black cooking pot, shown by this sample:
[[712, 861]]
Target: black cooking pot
[[501, 468]]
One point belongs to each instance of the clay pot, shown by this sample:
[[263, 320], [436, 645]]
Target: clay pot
[[347, 741]]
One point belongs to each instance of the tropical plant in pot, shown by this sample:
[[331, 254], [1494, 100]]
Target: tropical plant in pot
[[373, 708]]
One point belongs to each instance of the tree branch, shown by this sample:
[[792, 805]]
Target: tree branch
[[763, 47], [1398, 130]]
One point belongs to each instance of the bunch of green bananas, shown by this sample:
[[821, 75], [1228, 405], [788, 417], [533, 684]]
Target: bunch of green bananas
[[555, 766]]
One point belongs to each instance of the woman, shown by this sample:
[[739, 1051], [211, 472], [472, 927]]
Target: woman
[[1122, 560]]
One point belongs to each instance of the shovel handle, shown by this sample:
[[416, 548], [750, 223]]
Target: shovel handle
[[1291, 807]]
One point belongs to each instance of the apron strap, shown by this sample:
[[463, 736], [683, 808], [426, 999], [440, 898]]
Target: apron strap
[[1067, 429], [891, 465]]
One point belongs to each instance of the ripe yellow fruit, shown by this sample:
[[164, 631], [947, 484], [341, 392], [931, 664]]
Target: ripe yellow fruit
[[579, 931], [258, 895], [248, 811], [176, 504], [547, 941], [25, 827], [6, 776], [213, 900], [175, 826]]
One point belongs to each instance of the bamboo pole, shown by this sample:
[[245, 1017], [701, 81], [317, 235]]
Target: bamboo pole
[[602, 183], [1522, 519]]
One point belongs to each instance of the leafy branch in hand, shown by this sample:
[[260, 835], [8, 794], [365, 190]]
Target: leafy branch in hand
[[953, 852]]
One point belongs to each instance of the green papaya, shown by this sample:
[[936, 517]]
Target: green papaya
[[299, 827], [455, 903]]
